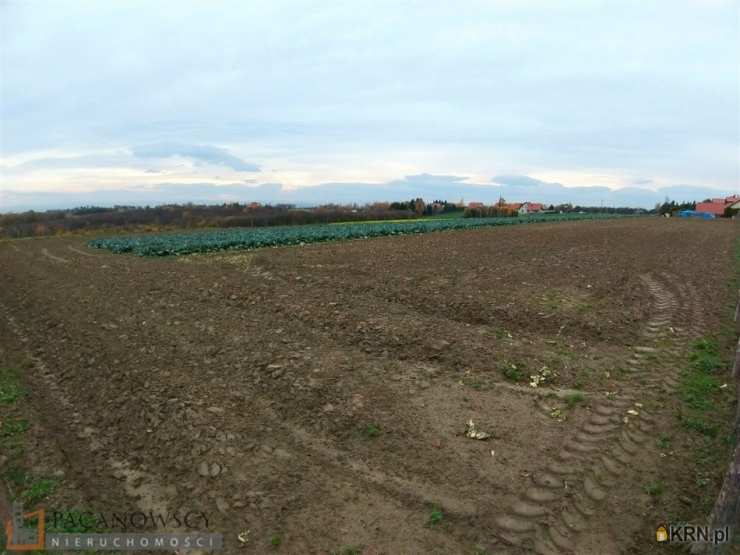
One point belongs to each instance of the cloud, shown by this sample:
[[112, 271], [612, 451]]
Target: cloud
[[426, 180], [427, 186], [71, 162], [200, 153], [330, 92], [517, 180]]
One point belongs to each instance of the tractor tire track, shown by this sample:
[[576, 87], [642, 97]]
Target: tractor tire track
[[146, 489], [557, 506]]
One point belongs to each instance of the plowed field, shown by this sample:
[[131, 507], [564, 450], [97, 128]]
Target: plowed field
[[318, 396]]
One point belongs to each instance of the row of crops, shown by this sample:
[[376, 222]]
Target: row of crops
[[253, 238]]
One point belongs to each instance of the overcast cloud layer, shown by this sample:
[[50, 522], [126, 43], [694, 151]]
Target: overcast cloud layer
[[132, 102]]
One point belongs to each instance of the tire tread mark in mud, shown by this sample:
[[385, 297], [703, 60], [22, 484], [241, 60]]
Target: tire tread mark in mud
[[593, 458], [144, 486]]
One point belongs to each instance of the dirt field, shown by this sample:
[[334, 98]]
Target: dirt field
[[318, 397]]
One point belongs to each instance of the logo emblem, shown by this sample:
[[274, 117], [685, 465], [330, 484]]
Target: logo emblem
[[661, 534], [22, 538]]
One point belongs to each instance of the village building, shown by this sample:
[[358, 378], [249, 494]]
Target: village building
[[717, 206]]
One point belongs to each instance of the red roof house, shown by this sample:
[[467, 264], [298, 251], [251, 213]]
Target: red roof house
[[716, 208]]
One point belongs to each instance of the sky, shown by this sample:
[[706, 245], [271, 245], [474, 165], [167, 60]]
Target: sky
[[590, 102]]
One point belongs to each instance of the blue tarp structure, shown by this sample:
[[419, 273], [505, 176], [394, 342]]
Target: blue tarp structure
[[695, 214]]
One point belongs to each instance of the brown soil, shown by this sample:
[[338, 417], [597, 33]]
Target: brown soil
[[326, 389]]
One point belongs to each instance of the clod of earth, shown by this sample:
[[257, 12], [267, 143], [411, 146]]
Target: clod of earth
[[474, 433]]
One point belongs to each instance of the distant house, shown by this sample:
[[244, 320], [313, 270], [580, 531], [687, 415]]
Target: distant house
[[717, 206], [510, 208], [523, 208], [530, 208]]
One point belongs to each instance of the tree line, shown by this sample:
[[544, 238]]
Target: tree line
[[192, 216], [176, 216]]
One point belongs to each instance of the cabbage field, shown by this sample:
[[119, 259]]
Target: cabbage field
[[164, 244]]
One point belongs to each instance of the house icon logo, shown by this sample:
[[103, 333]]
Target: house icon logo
[[661, 534], [29, 537]]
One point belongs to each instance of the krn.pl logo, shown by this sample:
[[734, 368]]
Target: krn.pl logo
[[661, 534]]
